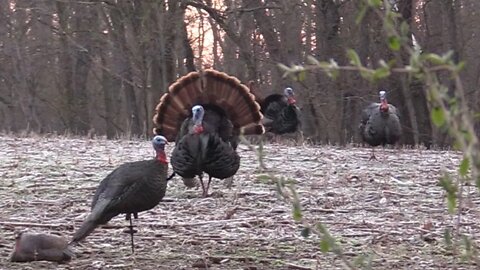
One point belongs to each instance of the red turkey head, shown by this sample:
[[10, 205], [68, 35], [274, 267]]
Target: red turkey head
[[383, 101], [290, 95]]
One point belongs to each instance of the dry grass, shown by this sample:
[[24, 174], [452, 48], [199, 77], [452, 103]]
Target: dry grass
[[391, 208]]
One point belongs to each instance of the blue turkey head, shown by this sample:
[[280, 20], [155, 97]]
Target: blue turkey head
[[197, 114], [383, 95], [288, 92], [159, 142]]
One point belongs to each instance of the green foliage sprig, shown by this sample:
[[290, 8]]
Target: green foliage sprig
[[448, 109]]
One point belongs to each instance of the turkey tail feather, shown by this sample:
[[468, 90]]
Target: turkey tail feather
[[254, 129], [85, 229], [99, 215], [253, 89], [208, 87]]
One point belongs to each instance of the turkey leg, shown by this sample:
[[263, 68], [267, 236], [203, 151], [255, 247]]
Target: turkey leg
[[131, 229], [205, 189]]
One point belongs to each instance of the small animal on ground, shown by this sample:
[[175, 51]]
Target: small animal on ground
[[40, 247]]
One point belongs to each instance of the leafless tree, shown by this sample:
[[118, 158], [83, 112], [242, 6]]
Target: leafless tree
[[101, 66]]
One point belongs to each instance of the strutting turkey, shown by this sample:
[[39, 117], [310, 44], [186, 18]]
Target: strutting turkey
[[281, 114], [205, 112], [380, 124], [131, 188], [40, 247]]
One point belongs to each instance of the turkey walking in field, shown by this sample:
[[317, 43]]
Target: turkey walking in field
[[205, 112], [281, 114], [131, 188], [380, 124]]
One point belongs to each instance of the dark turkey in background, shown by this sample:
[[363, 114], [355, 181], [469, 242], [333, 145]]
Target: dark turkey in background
[[281, 114], [380, 124]]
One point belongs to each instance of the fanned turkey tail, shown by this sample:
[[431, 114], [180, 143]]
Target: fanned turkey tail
[[208, 87]]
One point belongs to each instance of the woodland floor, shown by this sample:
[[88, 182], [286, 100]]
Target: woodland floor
[[391, 209]]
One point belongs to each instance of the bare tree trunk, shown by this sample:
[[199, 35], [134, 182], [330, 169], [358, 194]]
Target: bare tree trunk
[[187, 46], [123, 66], [66, 62], [326, 103], [108, 85], [414, 97], [243, 44], [25, 82], [76, 62], [441, 36], [169, 23]]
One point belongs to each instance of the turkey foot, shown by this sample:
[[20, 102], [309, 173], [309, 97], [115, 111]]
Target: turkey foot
[[373, 157]]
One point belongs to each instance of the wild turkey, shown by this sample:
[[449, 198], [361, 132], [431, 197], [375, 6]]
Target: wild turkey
[[205, 112], [131, 188], [380, 124], [281, 115], [40, 247]]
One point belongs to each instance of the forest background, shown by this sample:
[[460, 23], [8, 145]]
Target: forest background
[[99, 67]]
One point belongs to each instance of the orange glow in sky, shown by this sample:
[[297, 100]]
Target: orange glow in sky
[[200, 34]]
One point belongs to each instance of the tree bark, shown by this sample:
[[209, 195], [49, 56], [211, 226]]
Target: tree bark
[[123, 65]]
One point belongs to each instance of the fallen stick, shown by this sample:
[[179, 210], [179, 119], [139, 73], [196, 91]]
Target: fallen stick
[[40, 225], [210, 222], [296, 266], [325, 210], [218, 258]]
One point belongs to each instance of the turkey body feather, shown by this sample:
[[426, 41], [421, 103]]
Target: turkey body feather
[[378, 127], [205, 153], [280, 117]]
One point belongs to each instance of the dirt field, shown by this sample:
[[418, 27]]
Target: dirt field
[[391, 209]]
